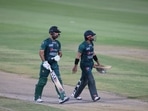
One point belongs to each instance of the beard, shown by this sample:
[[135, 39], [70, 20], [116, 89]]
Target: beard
[[55, 37]]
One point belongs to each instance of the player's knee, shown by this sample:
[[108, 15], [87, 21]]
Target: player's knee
[[91, 81], [42, 81]]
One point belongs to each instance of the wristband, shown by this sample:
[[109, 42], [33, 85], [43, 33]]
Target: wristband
[[95, 58], [76, 61]]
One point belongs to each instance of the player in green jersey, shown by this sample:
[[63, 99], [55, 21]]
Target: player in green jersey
[[86, 54], [50, 48]]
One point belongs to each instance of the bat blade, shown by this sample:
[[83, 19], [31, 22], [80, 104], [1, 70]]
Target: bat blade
[[57, 84], [106, 67]]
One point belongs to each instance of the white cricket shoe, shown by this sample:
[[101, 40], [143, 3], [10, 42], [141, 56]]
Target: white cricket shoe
[[77, 98], [96, 99], [39, 100], [64, 100]]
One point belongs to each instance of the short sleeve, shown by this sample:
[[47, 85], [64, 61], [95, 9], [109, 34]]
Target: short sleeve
[[81, 48], [43, 45]]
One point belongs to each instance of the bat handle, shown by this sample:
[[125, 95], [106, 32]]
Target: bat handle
[[50, 68]]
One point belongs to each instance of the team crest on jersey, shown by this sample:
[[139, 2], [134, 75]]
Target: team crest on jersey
[[50, 45], [88, 48]]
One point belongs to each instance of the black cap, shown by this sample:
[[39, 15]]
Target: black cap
[[89, 32], [54, 29]]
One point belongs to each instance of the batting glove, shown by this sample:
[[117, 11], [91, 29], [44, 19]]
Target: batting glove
[[56, 58], [46, 65]]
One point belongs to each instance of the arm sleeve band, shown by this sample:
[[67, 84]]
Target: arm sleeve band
[[95, 58], [76, 61]]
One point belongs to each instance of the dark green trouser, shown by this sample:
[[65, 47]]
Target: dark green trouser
[[39, 87], [44, 73], [87, 79]]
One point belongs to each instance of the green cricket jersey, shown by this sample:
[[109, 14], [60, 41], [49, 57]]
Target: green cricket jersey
[[87, 51], [51, 48]]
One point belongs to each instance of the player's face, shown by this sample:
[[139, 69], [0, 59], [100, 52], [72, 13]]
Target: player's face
[[55, 35], [91, 38]]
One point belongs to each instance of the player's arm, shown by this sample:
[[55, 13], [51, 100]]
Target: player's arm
[[78, 56], [60, 53], [42, 49], [96, 59], [41, 54], [44, 62]]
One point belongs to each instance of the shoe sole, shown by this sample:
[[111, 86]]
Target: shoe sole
[[64, 101], [72, 96], [78, 98], [39, 101]]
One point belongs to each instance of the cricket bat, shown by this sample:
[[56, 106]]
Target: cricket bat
[[103, 67], [57, 83]]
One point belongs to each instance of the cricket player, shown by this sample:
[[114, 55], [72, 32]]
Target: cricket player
[[86, 56], [49, 49]]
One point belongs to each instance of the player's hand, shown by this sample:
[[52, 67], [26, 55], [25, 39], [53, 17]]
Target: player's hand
[[102, 68], [56, 58], [74, 70], [96, 65], [46, 65]]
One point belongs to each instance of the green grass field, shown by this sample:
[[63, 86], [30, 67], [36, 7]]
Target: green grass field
[[118, 23], [18, 105]]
